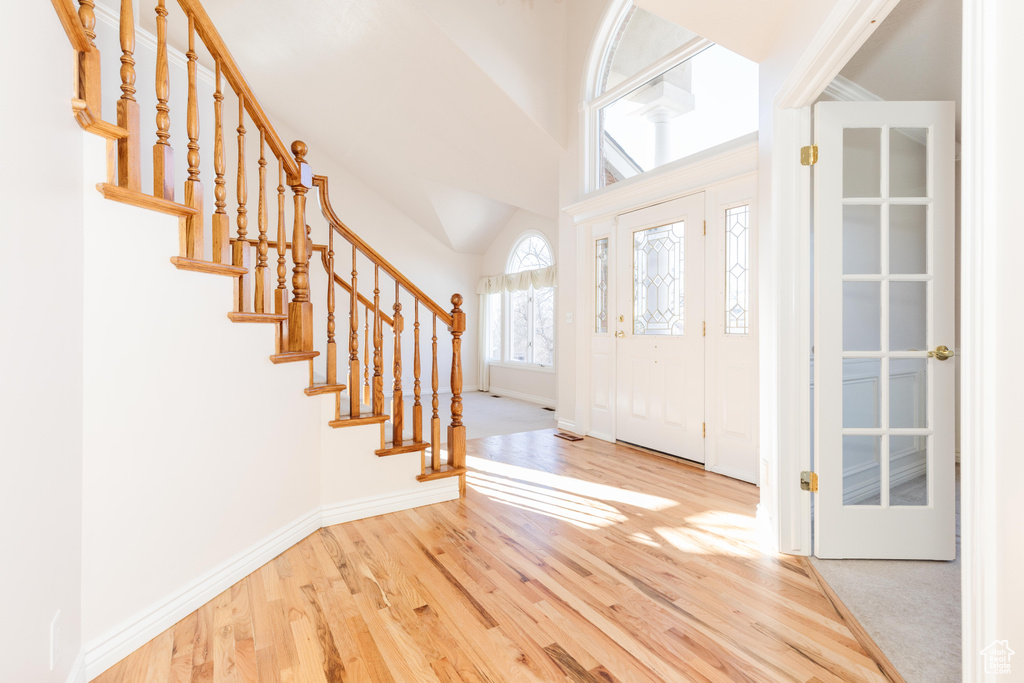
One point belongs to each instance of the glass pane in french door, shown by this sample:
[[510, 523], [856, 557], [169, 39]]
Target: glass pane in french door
[[886, 327], [658, 282]]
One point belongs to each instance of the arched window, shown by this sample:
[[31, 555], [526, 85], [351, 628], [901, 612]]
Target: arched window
[[659, 93], [521, 306], [531, 311], [529, 253]]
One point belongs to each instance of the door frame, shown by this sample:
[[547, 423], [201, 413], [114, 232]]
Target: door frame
[[595, 217], [785, 510]]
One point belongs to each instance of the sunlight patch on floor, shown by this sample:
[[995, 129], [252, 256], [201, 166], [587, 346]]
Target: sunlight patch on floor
[[572, 485], [588, 514]]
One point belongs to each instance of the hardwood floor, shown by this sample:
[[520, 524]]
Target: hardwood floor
[[565, 562]]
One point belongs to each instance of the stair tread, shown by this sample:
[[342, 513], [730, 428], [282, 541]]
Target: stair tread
[[198, 266], [318, 389], [249, 317], [405, 448], [293, 356], [144, 201], [445, 472], [346, 421]]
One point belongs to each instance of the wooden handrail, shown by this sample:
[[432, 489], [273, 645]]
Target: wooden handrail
[[215, 44], [68, 15], [332, 218], [322, 249]]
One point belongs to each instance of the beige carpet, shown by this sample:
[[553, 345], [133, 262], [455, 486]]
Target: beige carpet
[[482, 414], [911, 609]]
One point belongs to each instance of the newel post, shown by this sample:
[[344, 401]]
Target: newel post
[[300, 308], [456, 430]]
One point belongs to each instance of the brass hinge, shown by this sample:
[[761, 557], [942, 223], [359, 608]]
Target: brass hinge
[[809, 481], [703, 430], [809, 155], [705, 333], [705, 228]]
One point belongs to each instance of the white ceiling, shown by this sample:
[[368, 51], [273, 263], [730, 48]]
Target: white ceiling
[[914, 54], [404, 103], [747, 27]]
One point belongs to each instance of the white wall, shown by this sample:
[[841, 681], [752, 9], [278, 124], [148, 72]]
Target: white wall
[[584, 17], [41, 371], [196, 446]]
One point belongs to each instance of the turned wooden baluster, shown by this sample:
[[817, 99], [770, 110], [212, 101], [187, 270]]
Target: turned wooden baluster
[[129, 156], [366, 358], [220, 239], [89, 84], [456, 431], [300, 309], [435, 419], [397, 404], [191, 230], [163, 154], [262, 247], [281, 293], [378, 347], [241, 254], [332, 346], [417, 407], [353, 339]]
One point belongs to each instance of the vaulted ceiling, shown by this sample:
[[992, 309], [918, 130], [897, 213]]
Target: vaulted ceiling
[[747, 27], [453, 111]]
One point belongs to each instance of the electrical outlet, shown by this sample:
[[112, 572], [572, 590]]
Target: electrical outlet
[[54, 640], [568, 317]]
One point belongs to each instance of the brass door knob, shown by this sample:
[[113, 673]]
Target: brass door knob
[[620, 334], [941, 352]]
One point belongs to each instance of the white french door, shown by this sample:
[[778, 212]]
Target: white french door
[[884, 324], [659, 327]]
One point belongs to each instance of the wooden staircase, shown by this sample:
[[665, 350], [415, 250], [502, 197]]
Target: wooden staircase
[[258, 297]]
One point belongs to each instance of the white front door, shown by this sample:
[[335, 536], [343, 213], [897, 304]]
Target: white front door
[[884, 317], [659, 328]]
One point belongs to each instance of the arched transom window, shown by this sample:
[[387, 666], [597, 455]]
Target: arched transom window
[[661, 93]]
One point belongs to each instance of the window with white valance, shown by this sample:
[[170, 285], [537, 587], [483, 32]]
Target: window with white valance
[[520, 306]]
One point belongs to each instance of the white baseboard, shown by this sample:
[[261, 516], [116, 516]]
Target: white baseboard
[[393, 502], [77, 673], [567, 426], [132, 634], [733, 473], [529, 398]]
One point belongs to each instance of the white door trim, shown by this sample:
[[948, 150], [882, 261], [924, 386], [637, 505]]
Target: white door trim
[[785, 276], [991, 59]]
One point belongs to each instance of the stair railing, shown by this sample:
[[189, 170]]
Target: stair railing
[[454, 320], [256, 298]]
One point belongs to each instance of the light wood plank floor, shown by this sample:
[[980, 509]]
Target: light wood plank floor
[[566, 562]]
